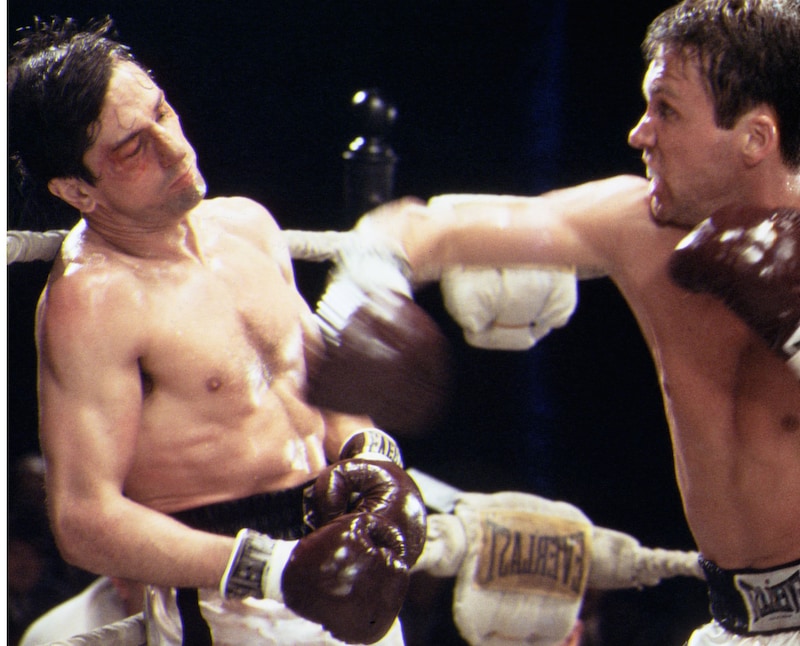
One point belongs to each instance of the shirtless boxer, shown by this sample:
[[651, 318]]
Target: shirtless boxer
[[172, 368], [721, 128]]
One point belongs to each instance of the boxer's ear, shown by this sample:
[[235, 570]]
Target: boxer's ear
[[760, 129], [73, 191]]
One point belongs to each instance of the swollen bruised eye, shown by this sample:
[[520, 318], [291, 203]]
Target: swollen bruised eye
[[129, 151]]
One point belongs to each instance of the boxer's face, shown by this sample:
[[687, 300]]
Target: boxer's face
[[146, 168], [691, 163]]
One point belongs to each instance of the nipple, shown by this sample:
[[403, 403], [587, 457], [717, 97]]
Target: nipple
[[790, 423]]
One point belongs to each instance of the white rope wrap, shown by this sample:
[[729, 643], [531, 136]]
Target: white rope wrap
[[617, 561], [126, 632], [316, 246], [27, 246]]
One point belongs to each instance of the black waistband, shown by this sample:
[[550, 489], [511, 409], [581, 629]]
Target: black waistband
[[754, 602], [278, 514]]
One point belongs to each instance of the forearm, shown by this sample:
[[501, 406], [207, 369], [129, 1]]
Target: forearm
[[566, 227], [338, 428], [124, 539]]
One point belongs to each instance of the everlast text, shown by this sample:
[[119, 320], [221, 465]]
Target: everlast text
[[771, 602], [533, 552]]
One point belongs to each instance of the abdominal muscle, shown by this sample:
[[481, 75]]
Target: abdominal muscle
[[736, 456], [734, 416], [223, 439]]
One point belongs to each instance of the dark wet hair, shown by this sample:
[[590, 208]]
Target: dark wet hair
[[57, 80], [749, 53]]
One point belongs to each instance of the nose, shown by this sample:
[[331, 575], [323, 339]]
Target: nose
[[642, 135], [169, 147]]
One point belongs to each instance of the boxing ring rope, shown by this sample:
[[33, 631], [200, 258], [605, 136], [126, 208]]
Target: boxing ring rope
[[627, 565], [617, 562], [126, 632], [27, 246]]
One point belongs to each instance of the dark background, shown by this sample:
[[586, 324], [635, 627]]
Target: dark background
[[493, 96]]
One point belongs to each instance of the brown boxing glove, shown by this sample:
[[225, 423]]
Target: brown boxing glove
[[750, 259], [348, 576], [383, 356], [378, 487]]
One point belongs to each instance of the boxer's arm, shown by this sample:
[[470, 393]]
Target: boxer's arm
[[90, 406], [574, 227], [339, 427]]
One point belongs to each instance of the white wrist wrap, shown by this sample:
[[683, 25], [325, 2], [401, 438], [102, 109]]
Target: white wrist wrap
[[340, 301], [445, 546], [271, 583], [373, 263], [255, 567], [371, 444], [361, 268]]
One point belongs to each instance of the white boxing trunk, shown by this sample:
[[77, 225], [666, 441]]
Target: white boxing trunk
[[255, 622]]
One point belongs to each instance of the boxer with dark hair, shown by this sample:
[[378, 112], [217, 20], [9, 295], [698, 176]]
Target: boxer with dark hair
[[720, 138], [173, 352]]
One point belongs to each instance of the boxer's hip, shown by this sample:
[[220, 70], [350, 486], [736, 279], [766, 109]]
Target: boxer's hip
[[278, 514], [183, 617], [755, 601], [257, 622]]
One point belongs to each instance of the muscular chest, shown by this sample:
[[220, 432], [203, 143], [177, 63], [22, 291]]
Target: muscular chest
[[230, 323], [722, 384]]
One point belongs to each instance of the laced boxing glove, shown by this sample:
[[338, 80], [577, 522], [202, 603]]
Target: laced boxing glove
[[508, 308], [384, 356], [750, 259], [369, 478], [348, 576]]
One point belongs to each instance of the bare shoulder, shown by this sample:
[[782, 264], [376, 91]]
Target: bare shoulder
[[633, 183], [246, 224], [239, 213], [605, 200], [617, 186], [91, 295], [246, 219], [86, 276]]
